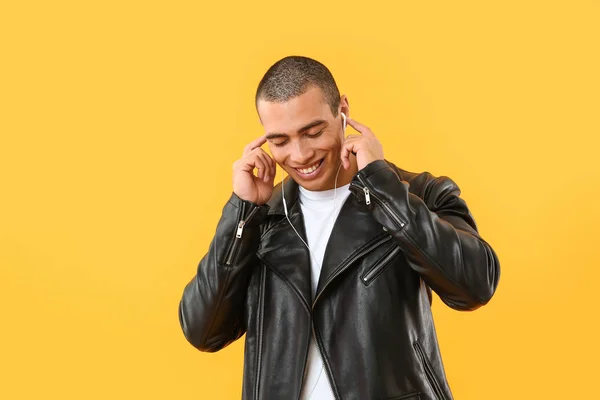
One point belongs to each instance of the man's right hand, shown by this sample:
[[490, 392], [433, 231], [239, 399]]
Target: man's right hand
[[247, 186]]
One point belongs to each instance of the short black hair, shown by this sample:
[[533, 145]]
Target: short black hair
[[294, 75]]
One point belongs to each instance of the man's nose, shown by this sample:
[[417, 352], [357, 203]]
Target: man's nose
[[301, 153]]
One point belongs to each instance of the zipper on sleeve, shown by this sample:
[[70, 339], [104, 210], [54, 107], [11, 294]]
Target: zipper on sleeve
[[237, 241], [369, 194], [240, 229]]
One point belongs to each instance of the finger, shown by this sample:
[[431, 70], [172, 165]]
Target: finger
[[259, 164], [270, 160], [267, 158], [344, 157], [264, 157], [347, 148], [360, 127], [243, 164], [254, 144], [274, 171], [352, 139], [272, 164], [350, 146], [273, 168]]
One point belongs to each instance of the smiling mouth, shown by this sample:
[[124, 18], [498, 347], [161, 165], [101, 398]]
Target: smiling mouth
[[310, 169]]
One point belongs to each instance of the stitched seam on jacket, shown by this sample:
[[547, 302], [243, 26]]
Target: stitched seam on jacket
[[380, 265], [261, 300], [358, 251], [280, 276], [433, 381], [283, 221], [218, 306], [440, 269], [428, 257], [326, 361]]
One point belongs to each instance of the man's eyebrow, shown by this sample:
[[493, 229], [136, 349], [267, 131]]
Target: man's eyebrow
[[270, 136], [311, 125], [276, 135]]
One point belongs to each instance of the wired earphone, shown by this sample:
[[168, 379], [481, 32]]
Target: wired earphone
[[334, 190], [332, 214]]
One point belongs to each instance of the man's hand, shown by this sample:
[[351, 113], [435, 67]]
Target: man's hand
[[365, 146], [247, 186]]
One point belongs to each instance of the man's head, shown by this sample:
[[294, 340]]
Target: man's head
[[299, 105]]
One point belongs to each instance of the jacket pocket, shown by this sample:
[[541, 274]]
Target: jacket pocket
[[370, 274], [429, 372]]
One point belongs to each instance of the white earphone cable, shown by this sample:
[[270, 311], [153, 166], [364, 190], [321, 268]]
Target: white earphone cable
[[286, 211], [333, 214], [334, 192]]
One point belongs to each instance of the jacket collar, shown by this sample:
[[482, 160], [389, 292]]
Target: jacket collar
[[354, 231], [275, 203]]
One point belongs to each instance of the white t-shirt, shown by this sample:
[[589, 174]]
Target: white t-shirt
[[319, 217]]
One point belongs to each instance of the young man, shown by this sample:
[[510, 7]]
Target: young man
[[330, 273]]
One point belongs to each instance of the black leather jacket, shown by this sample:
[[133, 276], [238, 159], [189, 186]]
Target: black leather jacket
[[397, 236]]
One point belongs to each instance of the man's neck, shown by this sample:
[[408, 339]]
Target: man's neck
[[346, 175]]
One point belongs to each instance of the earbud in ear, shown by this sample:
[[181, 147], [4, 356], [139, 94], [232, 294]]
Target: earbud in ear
[[344, 122]]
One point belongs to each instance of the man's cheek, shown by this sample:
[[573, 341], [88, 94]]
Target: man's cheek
[[276, 155], [335, 144], [278, 160]]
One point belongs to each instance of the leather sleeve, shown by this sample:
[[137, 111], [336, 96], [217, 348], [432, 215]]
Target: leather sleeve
[[211, 309], [435, 230]]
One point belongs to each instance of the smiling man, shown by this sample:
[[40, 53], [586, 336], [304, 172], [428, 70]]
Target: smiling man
[[330, 272]]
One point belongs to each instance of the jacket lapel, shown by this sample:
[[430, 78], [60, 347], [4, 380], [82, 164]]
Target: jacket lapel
[[353, 231], [281, 248], [287, 255]]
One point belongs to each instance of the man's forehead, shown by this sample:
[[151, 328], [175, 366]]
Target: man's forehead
[[316, 123], [294, 113]]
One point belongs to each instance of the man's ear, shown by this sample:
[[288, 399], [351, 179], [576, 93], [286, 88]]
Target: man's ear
[[344, 108]]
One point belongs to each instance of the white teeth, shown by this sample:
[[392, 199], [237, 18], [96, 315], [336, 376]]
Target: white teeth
[[309, 170]]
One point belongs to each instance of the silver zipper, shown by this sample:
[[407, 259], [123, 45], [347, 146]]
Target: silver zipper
[[341, 268], [377, 268], [391, 212], [367, 196], [238, 236], [240, 229]]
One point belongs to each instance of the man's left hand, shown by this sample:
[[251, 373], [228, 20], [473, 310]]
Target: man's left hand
[[365, 146]]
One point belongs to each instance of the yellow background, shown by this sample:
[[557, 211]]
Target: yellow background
[[120, 121]]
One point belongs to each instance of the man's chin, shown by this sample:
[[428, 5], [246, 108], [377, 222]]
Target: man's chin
[[322, 183]]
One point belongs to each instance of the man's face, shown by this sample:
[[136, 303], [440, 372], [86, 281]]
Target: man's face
[[305, 138]]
